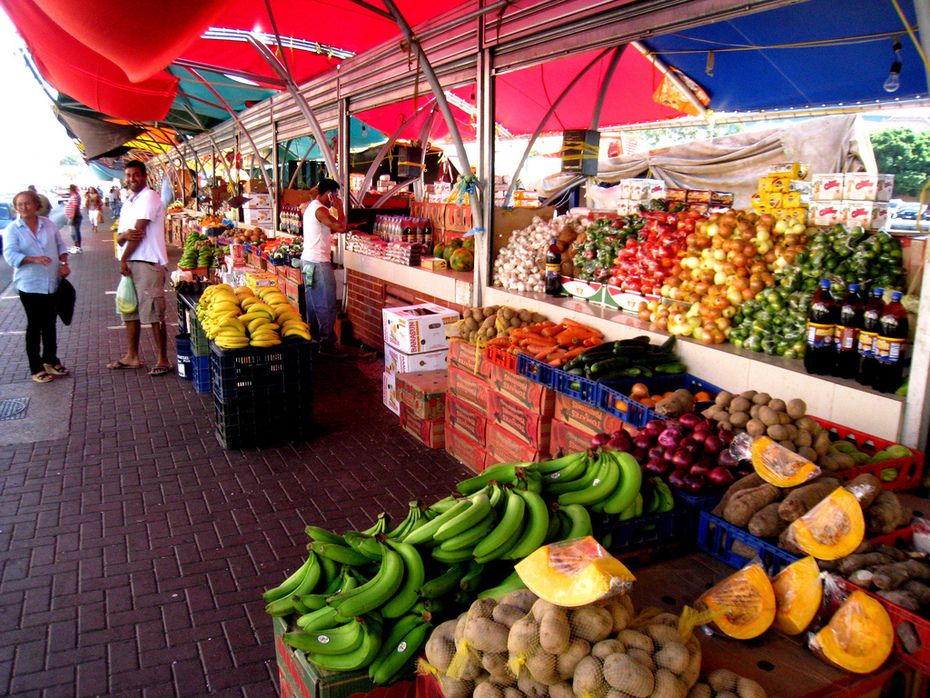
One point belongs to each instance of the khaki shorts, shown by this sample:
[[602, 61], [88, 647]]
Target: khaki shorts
[[149, 280]]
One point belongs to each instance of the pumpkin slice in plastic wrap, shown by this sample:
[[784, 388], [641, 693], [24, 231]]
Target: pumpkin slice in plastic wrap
[[859, 636], [574, 573], [833, 529], [743, 604], [773, 462], [798, 592]]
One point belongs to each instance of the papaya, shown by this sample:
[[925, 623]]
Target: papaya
[[454, 243], [447, 253], [462, 260], [743, 604], [833, 529], [858, 638], [798, 592], [469, 243], [439, 250]]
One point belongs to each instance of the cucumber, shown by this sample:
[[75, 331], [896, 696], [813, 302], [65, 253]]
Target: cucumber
[[631, 350], [671, 368], [608, 365], [641, 340], [594, 354], [620, 374], [577, 371]]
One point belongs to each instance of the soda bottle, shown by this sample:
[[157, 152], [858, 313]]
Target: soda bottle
[[846, 337], [553, 269], [889, 346], [871, 324], [819, 355]]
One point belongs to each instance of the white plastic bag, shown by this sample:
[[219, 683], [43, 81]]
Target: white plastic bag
[[126, 300]]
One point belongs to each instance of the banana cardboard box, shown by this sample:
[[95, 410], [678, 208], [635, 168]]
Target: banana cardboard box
[[504, 448], [466, 451], [469, 357], [424, 392], [389, 393], [418, 328], [528, 428], [584, 418], [396, 361], [431, 432], [469, 388]]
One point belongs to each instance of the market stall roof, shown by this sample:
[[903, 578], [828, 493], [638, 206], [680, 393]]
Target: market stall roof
[[814, 53]]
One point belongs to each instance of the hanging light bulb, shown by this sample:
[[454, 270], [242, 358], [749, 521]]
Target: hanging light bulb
[[364, 131], [893, 81]]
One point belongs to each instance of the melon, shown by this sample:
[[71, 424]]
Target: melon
[[858, 638], [574, 573], [462, 260], [743, 604], [834, 528], [798, 591]]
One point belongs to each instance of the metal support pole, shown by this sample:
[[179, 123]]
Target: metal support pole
[[542, 123], [671, 75], [605, 84], [487, 136]]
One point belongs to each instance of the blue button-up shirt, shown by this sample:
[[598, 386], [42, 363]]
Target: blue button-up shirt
[[20, 242]]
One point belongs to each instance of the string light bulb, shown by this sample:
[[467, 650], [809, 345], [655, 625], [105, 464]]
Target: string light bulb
[[893, 81]]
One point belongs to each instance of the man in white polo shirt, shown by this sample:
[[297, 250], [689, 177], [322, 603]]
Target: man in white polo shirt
[[143, 257]]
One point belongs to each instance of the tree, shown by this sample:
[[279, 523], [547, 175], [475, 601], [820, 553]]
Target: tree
[[662, 137], [906, 155], [71, 160]]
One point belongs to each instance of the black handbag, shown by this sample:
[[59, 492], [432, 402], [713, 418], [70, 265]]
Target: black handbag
[[66, 298]]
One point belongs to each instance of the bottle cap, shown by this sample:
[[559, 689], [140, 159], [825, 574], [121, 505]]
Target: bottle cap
[[825, 283], [853, 287], [895, 295], [878, 292]]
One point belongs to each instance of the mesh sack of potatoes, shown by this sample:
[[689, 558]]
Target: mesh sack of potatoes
[[469, 654], [723, 683]]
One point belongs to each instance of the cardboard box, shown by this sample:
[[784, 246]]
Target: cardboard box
[[389, 393], [529, 395], [580, 151], [433, 264], [871, 215], [465, 451], [469, 388], [526, 427], [302, 679], [828, 187], [862, 186], [826, 212], [418, 328], [567, 439], [424, 392], [257, 200], [396, 361], [291, 290], [254, 186], [584, 417], [256, 216], [294, 274], [913, 262], [466, 419], [468, 357], [503, 448], [431, 432], [457, 218], [257, 279]]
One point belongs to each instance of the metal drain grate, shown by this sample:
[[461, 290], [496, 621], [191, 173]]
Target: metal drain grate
[[14, 408]]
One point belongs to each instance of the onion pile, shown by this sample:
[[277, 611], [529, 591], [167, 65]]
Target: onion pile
[[520, 265]]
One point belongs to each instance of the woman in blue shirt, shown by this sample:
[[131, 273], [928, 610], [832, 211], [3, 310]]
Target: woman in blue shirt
[[31, 245]]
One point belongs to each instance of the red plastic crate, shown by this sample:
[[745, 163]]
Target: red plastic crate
[[498, 356], [909, 469]]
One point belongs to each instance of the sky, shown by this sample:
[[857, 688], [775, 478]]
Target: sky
[[32, 141]]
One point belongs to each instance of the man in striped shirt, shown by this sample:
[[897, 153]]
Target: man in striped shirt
[[73, 216]]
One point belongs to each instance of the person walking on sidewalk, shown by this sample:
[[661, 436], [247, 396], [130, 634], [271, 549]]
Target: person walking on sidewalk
[[73, 216], [113, 201], [315, 261], [93, 202], [32, 245], [143, 257]]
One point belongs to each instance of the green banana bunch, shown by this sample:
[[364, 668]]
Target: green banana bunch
[[287, 587], [340, 553], [502, 472], [414, 577], [443, 583], [377, 591], [381, 525], [363, 655], [415, 517], [588, 473], [557, 464], [569, 468], [400, 649], [511, 583], [335, 640]]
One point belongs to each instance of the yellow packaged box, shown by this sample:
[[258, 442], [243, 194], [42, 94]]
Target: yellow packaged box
[[773, 183], [791, 170], [257, 279]]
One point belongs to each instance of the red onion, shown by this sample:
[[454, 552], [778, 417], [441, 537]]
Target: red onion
[[690, 420], [676, 479], [727, 459], [714, 445], [640, 455], [695, 484], [691, 445], [670, 437], [702, 466], [642, 441], [599, 440], [657, 466], [657, 453], [681, 459], [654, 427], [726, 435], [721, 476]]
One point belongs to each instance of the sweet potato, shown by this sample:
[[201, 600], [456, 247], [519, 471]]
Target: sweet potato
[[907, 634], [885, 515], [889, 577], [676, 404], [751, 480], [744, 504], [802, 499], [919, 589], [854, 562], [766, 523], [904, 599], [866, 488]]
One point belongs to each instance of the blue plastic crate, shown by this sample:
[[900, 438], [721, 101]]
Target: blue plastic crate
[[716, 538], [201, 367], [535, 370], [662, 384], [673, 526], [576, 387], [623, 407], [704, 502]]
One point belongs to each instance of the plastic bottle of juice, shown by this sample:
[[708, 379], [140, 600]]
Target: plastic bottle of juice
[[819, 355], [871, 324], [846, 337], [889, 346], [553, 269]]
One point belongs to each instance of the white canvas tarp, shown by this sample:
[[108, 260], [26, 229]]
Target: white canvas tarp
[[735, 163]]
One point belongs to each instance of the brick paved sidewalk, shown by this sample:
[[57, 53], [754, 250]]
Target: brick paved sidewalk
[[134, 549]]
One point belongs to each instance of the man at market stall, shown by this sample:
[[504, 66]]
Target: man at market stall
[[143, 257], [319, 279]]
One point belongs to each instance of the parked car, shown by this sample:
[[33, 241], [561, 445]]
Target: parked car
[[6, 215], [61, 196], [904, 219]]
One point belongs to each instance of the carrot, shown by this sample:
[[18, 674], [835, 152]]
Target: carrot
[[572, 353], [552, 331], [500, 342], [593, 341], [575, 323], [572, 336], [537, 339], [557, 363]]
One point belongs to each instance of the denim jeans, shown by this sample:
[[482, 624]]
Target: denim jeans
[[320, 292], [76, 230]]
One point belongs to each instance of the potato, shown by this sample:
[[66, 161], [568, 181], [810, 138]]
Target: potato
[[747, 688], [724, 424], [627, 603], [783, 418], [808, 453], [540, 608], [485, 635], [754, 411], [439, 651], [739, 404], [561, 690], [521, 598], [722, 680], [761, 399], [451, 688], [459, 634], [620, 615], [554, 631], [486, 689], [723, 399], [481, 608], [530, 687], [568, 660], [796, 408], [674, 657], [701, 690], [787, 443], [636, 639], [604, 648], [641, 657], [542, 666], [693, 672], [512, 692], [755, 427], [777, 432], [748, 394], [739, 419], [803, 438], [591, 623], [495, 663], [768, 416], [777, 405], [589, 678], [668, 685], [822, 443], [807, 424], [625, 675], [505, 614], [523, 638], [792, 431], [663, 633]]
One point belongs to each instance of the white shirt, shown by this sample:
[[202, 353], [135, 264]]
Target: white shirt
[[146, 205], [318, 238]]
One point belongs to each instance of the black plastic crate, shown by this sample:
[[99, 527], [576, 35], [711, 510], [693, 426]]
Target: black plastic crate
[[264, 421], [676, 526], [256, 372], [199, 342]]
